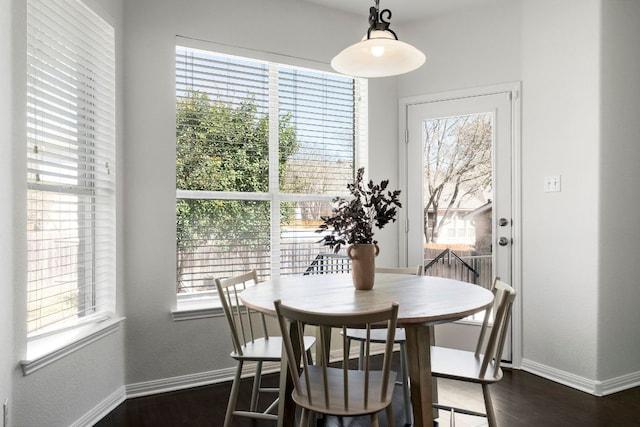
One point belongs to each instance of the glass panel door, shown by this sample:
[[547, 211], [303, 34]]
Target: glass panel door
[[459, 195]]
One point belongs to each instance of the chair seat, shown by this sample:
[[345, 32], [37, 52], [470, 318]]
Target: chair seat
[[336, 399], [461, 365], [266, 350], [378, 335]]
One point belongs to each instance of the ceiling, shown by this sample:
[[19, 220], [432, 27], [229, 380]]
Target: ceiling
[[403, 10]]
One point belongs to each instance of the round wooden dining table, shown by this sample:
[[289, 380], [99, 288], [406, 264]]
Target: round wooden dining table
[[422, 300]]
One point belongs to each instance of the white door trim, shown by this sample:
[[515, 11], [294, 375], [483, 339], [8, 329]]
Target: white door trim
[[515, 88]]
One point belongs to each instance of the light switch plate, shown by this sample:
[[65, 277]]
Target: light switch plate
[[551, 183]]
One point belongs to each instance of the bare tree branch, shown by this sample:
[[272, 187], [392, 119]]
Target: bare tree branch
[[457, 155]]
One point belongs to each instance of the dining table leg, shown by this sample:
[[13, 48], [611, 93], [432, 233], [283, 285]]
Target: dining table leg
[[419, 361]]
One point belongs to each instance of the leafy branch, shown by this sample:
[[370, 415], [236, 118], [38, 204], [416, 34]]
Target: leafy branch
[[353, 220]]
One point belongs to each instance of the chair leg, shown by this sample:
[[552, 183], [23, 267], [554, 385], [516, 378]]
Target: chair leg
[[390, 420], [491, 415], [452, 421], [233, 396], [404, 370], [374, 420], [304, 417], [361, 357], [256, 387]]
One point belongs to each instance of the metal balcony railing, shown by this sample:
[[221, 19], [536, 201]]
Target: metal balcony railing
[[472, 269], [329, 264]]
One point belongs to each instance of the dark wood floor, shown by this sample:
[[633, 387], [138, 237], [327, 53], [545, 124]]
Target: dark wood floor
[[520, 399]]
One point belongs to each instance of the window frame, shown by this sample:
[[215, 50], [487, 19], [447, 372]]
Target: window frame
[[206, 304], [89, 124]]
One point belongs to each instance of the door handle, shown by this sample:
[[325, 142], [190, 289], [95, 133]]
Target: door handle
[[503, 241]]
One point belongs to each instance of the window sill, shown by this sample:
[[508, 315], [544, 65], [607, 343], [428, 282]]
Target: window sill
[[197, 309], [46, 350]]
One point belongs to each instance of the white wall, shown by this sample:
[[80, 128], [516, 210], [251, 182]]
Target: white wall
[[6, 196], [476, 47], [561, 99], [383, 157], [76, 386], [619, 281]]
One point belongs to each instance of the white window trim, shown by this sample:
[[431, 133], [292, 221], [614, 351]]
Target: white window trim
[[198, 306], [50, 348]]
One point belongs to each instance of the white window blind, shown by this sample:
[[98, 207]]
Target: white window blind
[[322, 110], [262, 149], [70, 165]]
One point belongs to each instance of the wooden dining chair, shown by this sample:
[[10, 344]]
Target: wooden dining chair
[[483, 365], [251, 343], [338, 390], [379, 336]]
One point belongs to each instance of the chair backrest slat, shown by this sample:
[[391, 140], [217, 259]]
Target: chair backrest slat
[[305, 361], [387, 362], [325, 364], [367, 364], [491, 346], [345, 367], [232, 295]]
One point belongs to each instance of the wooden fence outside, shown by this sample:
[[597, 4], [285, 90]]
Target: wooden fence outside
[[196, 272]]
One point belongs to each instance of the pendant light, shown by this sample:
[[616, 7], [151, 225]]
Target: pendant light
[[379, 53]]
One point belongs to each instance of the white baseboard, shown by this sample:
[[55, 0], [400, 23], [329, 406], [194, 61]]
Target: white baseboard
[[102, 409], [146, 388], [614, 385], [182, 382], [595, 387]]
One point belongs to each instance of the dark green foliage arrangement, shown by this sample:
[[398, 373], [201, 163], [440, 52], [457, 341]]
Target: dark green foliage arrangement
[[353, 220]]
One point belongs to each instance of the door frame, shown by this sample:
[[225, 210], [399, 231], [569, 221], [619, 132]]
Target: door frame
[[515, 88]]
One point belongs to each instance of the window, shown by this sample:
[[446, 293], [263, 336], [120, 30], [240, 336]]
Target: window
[[262, 149], [70, 166]]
